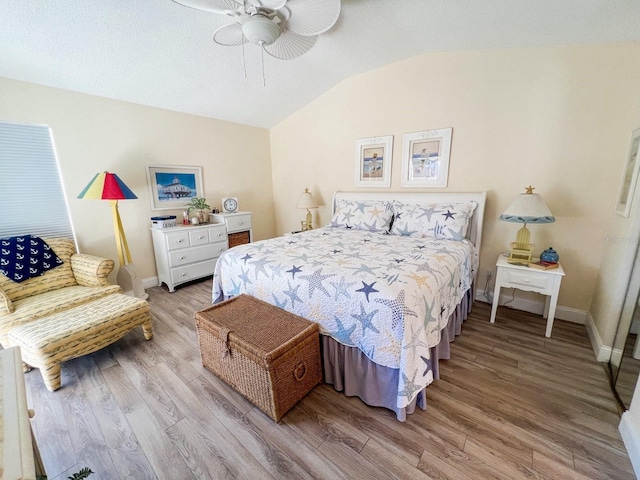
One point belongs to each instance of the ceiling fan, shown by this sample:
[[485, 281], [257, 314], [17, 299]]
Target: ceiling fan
[[285, 29]]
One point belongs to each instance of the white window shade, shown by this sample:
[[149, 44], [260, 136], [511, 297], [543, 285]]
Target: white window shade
[[31, 193]]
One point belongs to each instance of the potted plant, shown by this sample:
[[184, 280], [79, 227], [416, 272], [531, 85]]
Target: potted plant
[[200, 209]]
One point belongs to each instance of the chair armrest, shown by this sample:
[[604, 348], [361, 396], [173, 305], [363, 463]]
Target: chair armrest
[[91, 271], [5, 302]]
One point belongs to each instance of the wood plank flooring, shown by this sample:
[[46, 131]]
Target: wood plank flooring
[[510, 404]]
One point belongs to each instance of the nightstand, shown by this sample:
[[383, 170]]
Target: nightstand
[[546, 282], [238, 225]]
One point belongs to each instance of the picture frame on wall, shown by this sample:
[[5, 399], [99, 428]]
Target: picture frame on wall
[[629, 177], [172, 186], [425, 158], [373, 161]]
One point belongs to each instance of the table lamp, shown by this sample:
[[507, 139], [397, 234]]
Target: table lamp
[[526, 208], [108, 186], [306, 201]]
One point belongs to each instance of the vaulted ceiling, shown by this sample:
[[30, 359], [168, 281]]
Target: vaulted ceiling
[[159, 53]]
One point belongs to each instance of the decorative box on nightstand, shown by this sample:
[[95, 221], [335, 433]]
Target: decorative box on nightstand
[[187, 253], [546, 282], [238, 225]]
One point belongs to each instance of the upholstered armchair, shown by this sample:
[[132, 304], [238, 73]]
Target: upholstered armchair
[[80, 279]]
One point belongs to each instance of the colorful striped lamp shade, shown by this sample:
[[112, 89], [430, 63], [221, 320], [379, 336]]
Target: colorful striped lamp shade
[[107, 186]]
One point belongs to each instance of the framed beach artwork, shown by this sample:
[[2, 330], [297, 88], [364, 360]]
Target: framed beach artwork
[[630, 176], [425, 158], [373, 161], [171, 187]]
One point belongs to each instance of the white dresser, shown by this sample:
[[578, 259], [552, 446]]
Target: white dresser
[[186, 253], [239, 229]]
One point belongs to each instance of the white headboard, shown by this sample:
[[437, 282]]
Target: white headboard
[[474, 233]]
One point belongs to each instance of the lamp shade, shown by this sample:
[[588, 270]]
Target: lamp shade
[[306, 200], [107, 186], [528, 208]]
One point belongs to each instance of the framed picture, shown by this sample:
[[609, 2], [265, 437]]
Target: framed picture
[[425, 158], [373, 161], [630, 176], [171, 187]]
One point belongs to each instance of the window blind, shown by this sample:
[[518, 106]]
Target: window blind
[[31, 193]]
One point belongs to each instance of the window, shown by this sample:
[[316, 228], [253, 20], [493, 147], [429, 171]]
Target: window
[[31, 193]]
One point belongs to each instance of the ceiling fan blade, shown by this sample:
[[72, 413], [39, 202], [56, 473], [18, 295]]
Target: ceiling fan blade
[[312, 17], [229, 35], [273, 4], [225, 7], [289, 45]]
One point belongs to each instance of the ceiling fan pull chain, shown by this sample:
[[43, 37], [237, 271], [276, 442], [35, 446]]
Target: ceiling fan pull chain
[[264, 82], [244, 63]]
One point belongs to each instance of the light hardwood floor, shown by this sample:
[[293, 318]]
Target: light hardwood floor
[[510, 404]]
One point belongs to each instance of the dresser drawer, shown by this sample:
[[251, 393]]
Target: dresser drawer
[[177, 240], [191, 272], [198, 237], [238, 223], [217, 234], [531, 279], [218, 248], [190, 255]]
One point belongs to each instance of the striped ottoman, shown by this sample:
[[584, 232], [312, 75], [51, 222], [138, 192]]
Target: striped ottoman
[[49, 341]]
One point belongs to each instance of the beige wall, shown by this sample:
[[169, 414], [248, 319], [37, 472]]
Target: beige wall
[[558, 118], [95, 134]]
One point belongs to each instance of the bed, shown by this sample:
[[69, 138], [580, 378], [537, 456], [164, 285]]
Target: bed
[[389, 280]]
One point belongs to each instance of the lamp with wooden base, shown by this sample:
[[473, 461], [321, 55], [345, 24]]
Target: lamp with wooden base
[[526, 208]]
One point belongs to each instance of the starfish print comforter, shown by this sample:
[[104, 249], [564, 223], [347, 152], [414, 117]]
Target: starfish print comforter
[[388, 295]]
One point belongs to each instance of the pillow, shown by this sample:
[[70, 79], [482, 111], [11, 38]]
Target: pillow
[[371, 215], [448, 221], [25, 257]]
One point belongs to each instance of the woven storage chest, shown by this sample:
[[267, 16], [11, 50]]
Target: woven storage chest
[[269, 355]]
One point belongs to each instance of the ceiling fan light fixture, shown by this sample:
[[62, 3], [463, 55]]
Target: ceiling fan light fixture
[[259, 30]]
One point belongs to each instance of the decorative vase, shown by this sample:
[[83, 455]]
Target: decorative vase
[[549, 255], [201, 214]]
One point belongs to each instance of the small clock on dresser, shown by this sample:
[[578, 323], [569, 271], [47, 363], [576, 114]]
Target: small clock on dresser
[[229, 204]]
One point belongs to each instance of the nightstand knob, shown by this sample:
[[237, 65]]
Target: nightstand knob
[[183, 275], [240, 223], [181, 240], [182, 258], [200, 237]]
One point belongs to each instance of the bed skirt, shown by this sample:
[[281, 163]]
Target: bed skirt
[[350, 371]]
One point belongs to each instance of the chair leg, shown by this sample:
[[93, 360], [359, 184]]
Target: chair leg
[[51, 377], [147, 329]]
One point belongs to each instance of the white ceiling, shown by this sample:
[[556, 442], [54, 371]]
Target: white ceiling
[[159, 53]]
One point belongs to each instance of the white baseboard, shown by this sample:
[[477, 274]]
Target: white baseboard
[[630, 433], [603, 352], [150, 282], [568, 314]]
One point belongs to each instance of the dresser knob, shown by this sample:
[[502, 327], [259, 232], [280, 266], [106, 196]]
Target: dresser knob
[[240, 223], [183, 275], [200, 237], [181, 240], [182, 258]]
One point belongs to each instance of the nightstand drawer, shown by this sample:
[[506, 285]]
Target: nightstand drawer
[[238, 223], [531, 279]]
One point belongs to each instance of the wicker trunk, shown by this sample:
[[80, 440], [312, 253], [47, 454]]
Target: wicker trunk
[[269, 355]]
